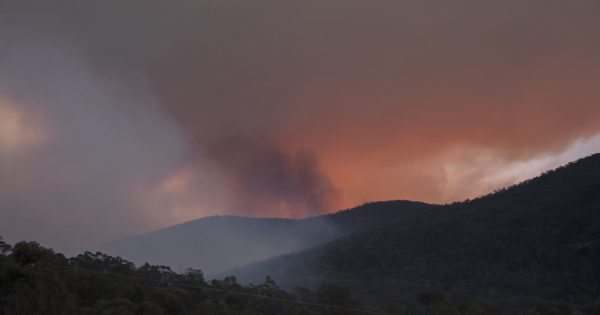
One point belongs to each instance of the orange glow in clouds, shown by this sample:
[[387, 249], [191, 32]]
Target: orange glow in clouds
[[18, 130]]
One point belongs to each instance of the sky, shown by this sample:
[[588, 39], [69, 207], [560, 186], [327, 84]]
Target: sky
[[117, 118]]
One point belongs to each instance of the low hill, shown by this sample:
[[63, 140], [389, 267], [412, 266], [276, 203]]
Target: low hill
[[219, 243], [535, 241]]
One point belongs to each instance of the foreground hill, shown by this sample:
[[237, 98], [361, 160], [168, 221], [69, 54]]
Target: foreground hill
[[219, 243], [37, 280], [538, 240]]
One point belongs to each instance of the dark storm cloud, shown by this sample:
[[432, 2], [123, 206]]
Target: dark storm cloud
[[337, 101]]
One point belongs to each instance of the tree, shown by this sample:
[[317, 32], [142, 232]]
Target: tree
[[195, 276], [26, 253], [4, 247], [270, 283]]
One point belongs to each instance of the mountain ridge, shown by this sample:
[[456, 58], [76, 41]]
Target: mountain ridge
[[244, 240], [539, 238]]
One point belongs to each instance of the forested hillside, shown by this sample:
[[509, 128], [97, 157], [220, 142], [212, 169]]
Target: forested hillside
[[243, 240], [533, 242], [36, 280]]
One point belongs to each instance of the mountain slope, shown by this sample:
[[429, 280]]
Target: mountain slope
[[539, 239], [219, 243]]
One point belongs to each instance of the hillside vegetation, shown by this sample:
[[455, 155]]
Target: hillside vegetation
[[533, 242], [243, 240], [36, 280]]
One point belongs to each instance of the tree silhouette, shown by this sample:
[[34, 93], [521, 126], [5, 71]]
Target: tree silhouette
[[4, 247]]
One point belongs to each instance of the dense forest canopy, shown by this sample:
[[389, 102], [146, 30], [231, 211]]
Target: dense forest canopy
[[36, 280], [532, 242]]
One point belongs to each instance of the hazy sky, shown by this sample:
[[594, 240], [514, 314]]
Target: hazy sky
[[118, 117]]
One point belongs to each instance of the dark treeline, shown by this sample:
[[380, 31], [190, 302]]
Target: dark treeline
[[36, 280], [537, 242]]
